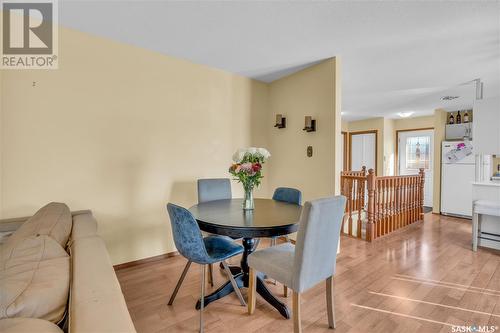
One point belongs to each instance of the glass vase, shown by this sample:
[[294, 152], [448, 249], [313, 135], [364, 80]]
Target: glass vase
[[248, 200]]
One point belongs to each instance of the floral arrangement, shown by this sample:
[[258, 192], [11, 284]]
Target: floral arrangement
[[247, 169], [247, 166]]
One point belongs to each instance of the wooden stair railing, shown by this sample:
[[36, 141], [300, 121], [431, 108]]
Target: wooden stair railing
[[392, 202], [361, 173], [354, 189]]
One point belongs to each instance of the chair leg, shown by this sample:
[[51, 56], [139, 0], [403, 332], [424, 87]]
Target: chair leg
[[179, 283], [233, 283], [285, 291], [273, 243], [297, 328], [330, 302], [475, 231], [211, 275], [256, 244], [202, 298], [252, 286]]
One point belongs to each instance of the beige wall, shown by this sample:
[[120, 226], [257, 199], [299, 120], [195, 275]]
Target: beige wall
[[389, 147], [439, 136], [308, 92], [414, 123], [496, 163], [1, 130], [344, 125], [123, 131], [368, 125]]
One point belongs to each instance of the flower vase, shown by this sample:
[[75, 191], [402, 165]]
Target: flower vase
[[248, 200]]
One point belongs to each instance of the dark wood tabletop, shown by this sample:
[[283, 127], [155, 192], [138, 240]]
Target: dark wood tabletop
[[226, 217], [270, 218]]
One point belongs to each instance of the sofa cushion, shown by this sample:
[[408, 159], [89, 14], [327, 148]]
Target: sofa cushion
[[54, 220], [34, 279], [25, 325]]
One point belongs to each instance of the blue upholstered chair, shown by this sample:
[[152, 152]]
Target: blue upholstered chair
[[310, 261], [211, 189], [214, 189], [203, 251], [286, 194]]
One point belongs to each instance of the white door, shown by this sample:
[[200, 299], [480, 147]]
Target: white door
[[363, 151], [415, 151]]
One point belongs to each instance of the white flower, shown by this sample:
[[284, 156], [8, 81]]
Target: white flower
[[264, 152], [238, 155]]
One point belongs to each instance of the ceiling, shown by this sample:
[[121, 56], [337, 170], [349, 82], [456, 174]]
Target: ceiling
[[396, 56]]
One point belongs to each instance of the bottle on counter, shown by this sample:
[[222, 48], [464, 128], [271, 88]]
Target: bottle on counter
[[451, 119], [466, 117], [459, 118]]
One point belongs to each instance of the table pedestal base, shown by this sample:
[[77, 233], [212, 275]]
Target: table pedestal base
[[262, 290], [241, 277]]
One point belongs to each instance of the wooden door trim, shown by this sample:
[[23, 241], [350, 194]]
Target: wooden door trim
[[345, 162], [396, 152], [376, 146]]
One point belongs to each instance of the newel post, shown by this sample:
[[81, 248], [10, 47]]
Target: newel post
[[421, 173], [371, 184]]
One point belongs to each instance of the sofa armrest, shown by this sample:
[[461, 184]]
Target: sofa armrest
[[96, 299]]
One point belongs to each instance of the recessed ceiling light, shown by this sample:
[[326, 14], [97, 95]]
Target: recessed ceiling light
[[405, 114], [449, 98]]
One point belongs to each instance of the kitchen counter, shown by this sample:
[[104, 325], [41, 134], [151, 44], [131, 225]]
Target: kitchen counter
[[487, 183], [488, 190]]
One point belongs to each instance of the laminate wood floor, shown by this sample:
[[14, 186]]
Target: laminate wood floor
[[424, 278]]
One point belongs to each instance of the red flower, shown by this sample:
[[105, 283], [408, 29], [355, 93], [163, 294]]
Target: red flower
[[256, 167]]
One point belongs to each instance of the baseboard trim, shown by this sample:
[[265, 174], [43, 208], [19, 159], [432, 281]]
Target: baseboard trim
[[160, 257], [145, 260]]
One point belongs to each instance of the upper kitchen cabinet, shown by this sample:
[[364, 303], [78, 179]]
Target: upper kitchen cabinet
[[487, 126]]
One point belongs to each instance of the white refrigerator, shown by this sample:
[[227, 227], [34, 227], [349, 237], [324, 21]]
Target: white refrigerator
[[457, 174]]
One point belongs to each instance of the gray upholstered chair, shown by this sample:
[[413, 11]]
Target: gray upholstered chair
[[310, 261], [211, 189], [204, 251]]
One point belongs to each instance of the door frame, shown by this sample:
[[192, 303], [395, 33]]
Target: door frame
[[376, 146], [345, 162], [396, 151]]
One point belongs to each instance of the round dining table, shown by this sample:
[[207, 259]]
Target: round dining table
[[269, 218]]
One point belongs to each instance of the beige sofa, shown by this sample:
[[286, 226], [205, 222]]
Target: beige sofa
[[56, 275]]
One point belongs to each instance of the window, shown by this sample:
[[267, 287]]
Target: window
[[418, 152]]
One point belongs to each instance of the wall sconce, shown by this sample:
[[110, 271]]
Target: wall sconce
[[280, 121], [310, 124]]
